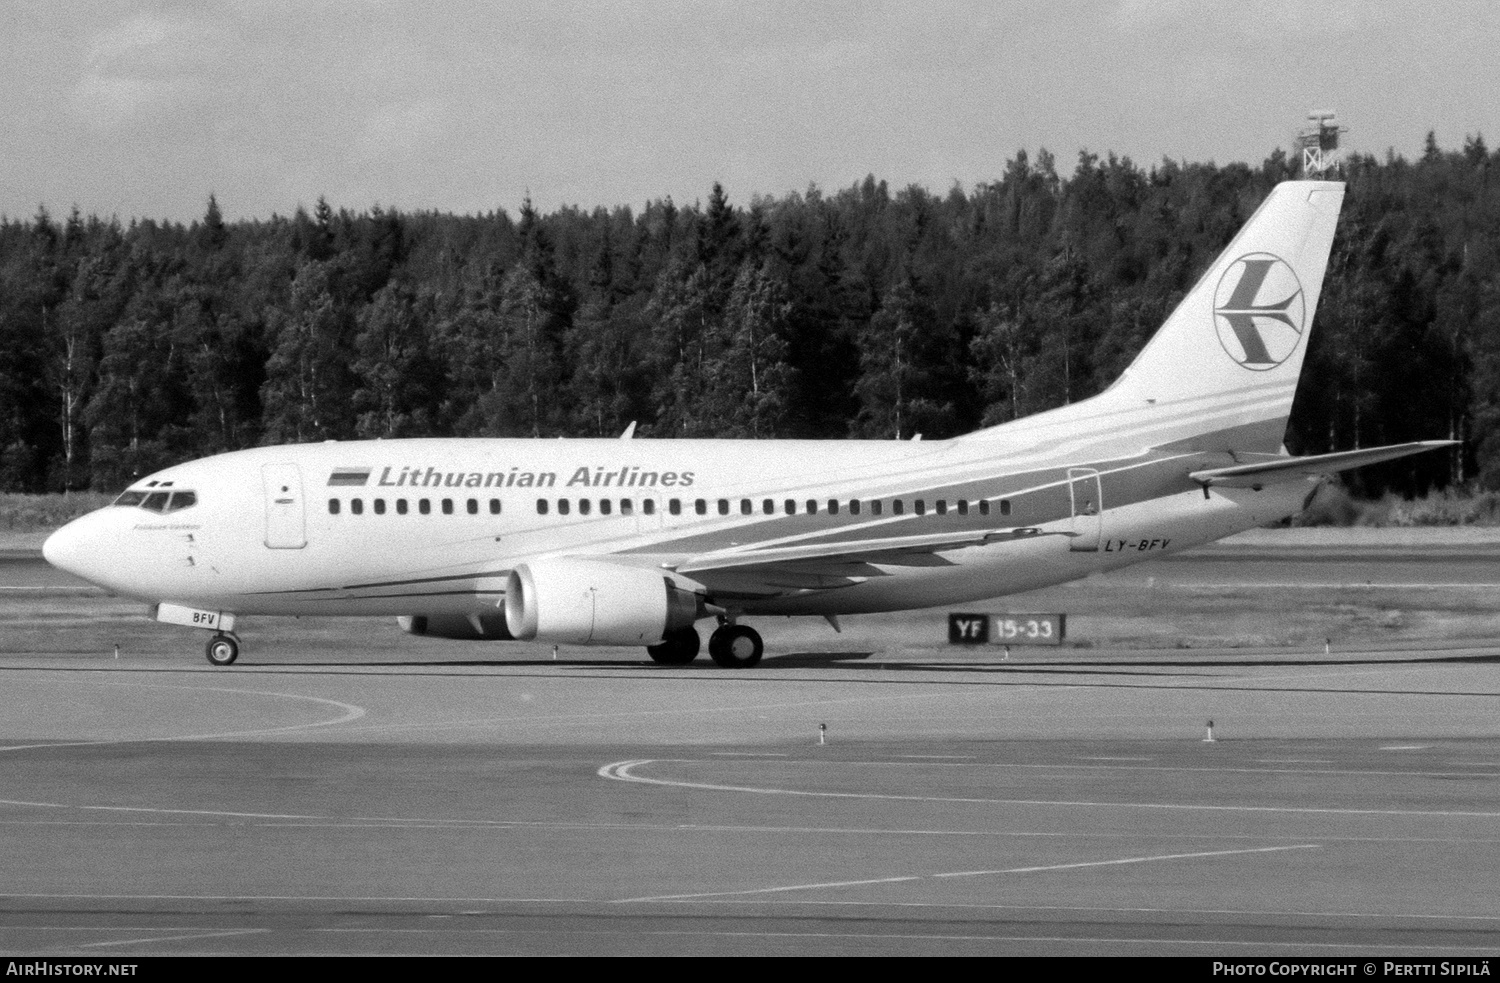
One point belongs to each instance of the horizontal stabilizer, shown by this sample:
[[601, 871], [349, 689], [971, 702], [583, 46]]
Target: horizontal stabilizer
[[1273, 469]]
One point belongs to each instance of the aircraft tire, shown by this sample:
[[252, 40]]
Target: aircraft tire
[[223, 650], [736, 646], [678, 648]]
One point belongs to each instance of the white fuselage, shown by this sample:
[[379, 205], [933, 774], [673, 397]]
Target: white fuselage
[[435, 526]]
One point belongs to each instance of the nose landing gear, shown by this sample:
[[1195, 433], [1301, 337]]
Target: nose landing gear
[[223, 649]]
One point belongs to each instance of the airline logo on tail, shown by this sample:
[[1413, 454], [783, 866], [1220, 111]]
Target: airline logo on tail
[[1259, 311]]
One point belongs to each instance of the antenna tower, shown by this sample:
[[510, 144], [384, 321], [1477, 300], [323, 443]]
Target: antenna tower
[[1319, 143]]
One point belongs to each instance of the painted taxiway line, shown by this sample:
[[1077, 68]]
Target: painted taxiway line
[[603, 905], [157, 811], [1296, 945], [938, 757], [269, 821], [974, 873], [176, 938], [623, 771], [351, 713], [1331, 585], [675, 711], [1125, 764]]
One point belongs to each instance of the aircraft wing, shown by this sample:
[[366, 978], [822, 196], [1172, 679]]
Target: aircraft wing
[[1274, 468], [894, 551], [779, 570]]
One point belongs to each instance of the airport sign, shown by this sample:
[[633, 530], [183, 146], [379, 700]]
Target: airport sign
[[1006, 629]]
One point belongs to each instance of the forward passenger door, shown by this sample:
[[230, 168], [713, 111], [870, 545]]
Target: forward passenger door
[[286, 515]]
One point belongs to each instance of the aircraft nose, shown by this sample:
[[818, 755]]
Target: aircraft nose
[[66, 549]]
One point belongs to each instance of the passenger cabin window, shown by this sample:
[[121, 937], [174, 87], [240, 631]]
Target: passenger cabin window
[[627, 507], [791, 507], [897, 507], [768, 507], [333, 506], [583, 506], [723, 506], [400, 506], [494, 506], [675, 506], [746, 506], [812, 506], [942, 506], [424, 506], [473, 506], [833, 506], [562, 506], [701, 507], [447, 506], [605, 507], [541, 506], [921, 505], [984, 507], [875, 507], [379, 506], [854, 506], [963, 506], [648, 506], [357, 506]]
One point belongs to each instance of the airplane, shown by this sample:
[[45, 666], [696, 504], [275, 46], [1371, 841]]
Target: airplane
[[633, 542]]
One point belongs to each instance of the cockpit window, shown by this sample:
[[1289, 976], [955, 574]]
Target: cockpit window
[[158, 501]]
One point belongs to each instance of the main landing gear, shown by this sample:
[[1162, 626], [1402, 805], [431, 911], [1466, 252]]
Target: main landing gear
[[735, 646], [678, 648], [223, 649], [731, 646]]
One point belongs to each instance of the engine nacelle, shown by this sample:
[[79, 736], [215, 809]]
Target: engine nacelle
[[587, 602], [469, 627]]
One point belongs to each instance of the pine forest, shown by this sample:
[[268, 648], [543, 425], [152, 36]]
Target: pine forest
[[862, 313]]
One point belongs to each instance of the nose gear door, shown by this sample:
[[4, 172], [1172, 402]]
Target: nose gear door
[[286, 517]]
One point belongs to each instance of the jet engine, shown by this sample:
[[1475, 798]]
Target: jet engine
[[469, 627], [587, 602]]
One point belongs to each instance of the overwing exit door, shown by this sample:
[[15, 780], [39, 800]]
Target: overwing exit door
[[286, 518]]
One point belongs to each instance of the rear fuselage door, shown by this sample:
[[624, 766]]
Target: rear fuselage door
[[1088, 509], [286, 518]]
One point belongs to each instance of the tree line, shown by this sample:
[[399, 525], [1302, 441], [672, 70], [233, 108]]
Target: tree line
[[862, 313]]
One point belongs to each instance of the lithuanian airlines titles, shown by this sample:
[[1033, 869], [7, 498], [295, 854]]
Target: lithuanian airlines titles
[[634, 542], [585, 476]]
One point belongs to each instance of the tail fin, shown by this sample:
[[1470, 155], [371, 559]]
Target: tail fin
[[1220, 374], [1228, 359]]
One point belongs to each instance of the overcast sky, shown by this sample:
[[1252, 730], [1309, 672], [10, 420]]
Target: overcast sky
[[141, 109]]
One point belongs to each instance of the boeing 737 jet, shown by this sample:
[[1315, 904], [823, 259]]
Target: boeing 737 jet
[[633, 542]]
